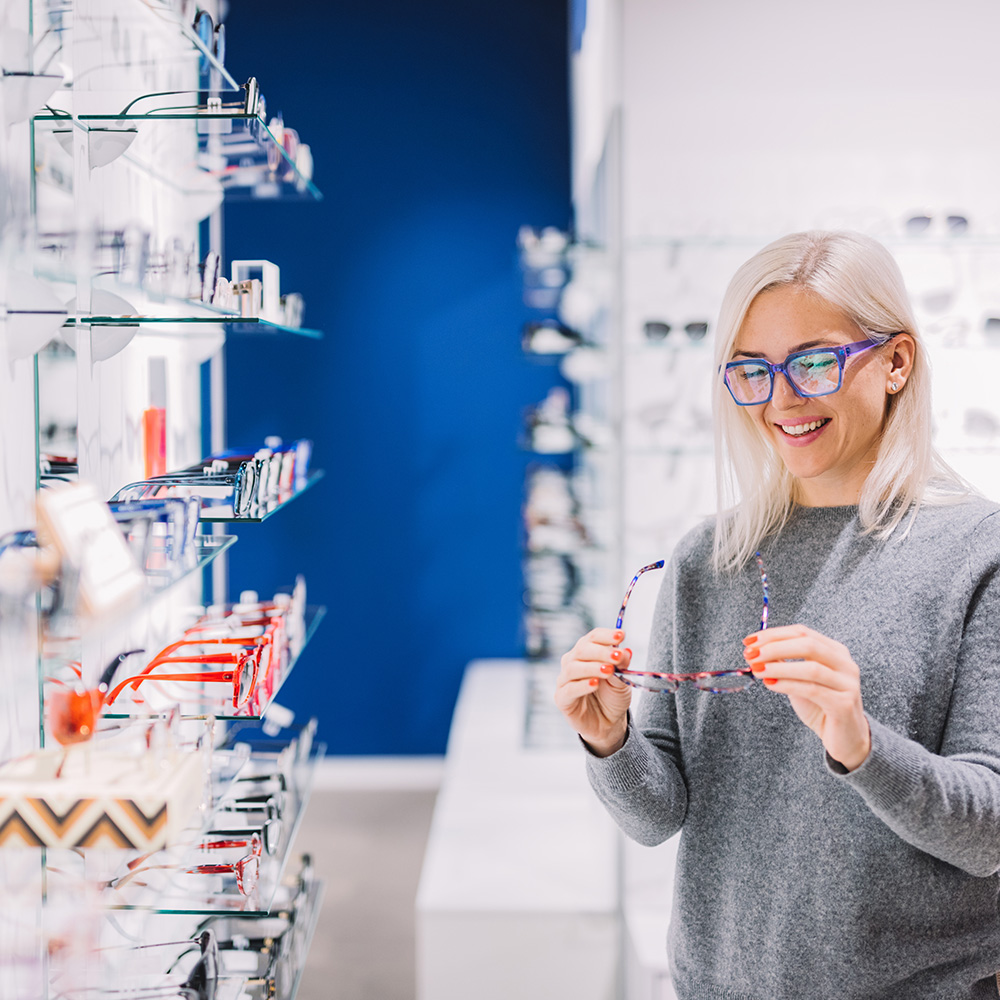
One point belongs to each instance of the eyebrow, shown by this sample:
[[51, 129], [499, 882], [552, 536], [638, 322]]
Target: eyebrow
[[822, 342]]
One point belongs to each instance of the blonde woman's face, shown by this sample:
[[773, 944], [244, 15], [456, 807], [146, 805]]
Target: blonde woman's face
[[828, 443]]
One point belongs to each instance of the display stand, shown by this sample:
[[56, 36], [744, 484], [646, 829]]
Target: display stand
[[124, 135]]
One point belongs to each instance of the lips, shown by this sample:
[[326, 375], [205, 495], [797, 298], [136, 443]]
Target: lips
[[802, 428]]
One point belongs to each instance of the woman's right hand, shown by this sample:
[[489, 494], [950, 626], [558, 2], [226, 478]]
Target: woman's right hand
[[590, 696]]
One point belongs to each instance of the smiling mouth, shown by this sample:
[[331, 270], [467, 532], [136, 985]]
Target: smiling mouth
[[797, 430]]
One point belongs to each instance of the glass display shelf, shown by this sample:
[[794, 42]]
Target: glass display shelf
[[180, 893], [236, 147], [206, 549], [159, 883], [176, 316], [236, 324], [66, 624], [268, 508], [219, 707]]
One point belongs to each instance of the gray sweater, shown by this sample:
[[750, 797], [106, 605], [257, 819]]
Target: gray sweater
[[795, 880]]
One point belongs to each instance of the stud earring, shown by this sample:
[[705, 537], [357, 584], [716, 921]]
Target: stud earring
[[894, 387]]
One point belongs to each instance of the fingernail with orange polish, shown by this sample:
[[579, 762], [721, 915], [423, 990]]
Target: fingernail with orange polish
[[751, 654], [594, 681], [769, 681], [749, 640]]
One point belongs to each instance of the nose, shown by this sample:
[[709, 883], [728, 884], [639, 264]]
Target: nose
[[784, 394]]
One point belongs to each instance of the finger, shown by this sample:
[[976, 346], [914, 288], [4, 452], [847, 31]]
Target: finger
[[589, 649], [571, 692], [767, 635], [800, 647], [806, 672], [575, 670], [605, 636]]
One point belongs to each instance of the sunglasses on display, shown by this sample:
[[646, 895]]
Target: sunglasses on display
[[713, 681], [810, 373], [657, 330]]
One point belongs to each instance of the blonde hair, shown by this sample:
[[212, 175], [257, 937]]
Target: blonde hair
[[756, 492]]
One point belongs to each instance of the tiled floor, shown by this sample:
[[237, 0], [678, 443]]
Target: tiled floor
[[368, 846]]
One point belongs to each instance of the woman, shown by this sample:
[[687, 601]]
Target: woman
[[841, 819]]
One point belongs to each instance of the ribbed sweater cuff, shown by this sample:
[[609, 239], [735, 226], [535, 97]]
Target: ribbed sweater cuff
[[627, 768], [890, 774]]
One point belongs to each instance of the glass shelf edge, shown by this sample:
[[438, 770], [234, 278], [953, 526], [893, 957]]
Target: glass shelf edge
[[314, 478], [318, 890], [252, 324], [297, 181]]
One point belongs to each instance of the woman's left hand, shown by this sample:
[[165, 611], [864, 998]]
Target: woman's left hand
[[821, 681]]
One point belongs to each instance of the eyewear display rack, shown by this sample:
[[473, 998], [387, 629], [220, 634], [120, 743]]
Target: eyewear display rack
[[124, 136]]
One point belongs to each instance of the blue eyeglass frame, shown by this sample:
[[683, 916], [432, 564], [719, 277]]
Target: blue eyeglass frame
[[841, 353]]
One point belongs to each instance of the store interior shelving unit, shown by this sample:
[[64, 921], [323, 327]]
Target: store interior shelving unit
[[120, 119]]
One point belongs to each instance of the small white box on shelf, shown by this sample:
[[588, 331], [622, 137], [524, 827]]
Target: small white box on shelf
[[269, 277]]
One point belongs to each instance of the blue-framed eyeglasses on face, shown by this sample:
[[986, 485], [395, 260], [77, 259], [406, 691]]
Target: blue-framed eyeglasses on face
[[813, 372]]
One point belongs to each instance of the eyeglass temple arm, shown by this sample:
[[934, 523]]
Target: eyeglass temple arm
[[763, 582], [213, 676], [109, 671], [160, 659], [659, 564]]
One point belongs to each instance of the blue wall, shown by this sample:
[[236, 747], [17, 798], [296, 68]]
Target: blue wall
[[437, 129]]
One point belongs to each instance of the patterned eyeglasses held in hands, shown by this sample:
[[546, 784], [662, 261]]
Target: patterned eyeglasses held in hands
[[715, 681]]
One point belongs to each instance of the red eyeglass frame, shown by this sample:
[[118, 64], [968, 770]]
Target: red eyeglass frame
[[239, 659]]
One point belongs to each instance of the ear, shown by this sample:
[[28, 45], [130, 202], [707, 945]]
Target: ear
[[904, 350]]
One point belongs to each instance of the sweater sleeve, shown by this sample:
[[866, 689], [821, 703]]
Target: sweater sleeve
[[947, 804], [642, 784]]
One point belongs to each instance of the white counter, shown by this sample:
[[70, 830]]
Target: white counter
[[518, 894]]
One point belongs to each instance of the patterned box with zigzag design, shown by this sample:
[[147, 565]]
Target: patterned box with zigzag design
[[100, 799]]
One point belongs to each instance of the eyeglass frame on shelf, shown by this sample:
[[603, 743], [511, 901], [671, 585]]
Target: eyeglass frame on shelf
[[235, 677]]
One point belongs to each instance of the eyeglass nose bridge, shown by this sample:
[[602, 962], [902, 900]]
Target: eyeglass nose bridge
[[781, 369]]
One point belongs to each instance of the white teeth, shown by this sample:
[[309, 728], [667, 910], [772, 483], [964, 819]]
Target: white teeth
[[796, 429]]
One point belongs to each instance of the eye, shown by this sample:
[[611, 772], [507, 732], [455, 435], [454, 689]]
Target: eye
[[750, 373]]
